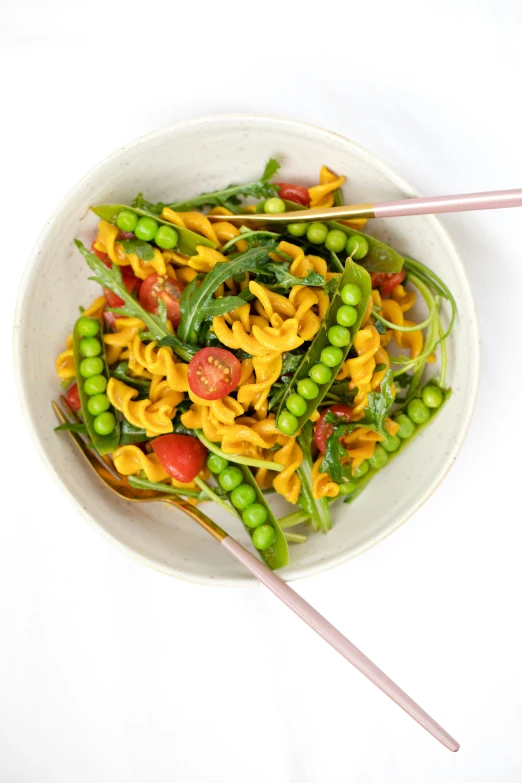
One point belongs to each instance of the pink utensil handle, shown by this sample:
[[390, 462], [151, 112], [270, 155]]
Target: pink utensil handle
[[339, 642], [465, 202]]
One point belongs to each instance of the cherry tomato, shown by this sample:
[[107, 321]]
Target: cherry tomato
[[323, 429], [110, 318], [296, 193], [387, 281], [122, 235], [155, 286], [213, 373], [102, 256], [73, 397], [181, 456], [132, 284]]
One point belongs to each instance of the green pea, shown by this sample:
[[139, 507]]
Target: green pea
[[297, 229], [335, 241], [88, 327], [287, 423], [98, 404], [105, 423], [359, 242], [347, 488], [418, 412], [254, 515], [308, 389], [274, 205], [243, 496], [166, 238], [93, 366], [296, 405], [146, 228], [432, 396], [406, 426], [127, 220], [379, 458], [339, 336], [263, 537], [215, 463], [346, 315], [391, 443], [230, 478], [331, 356], [90, 346], [96, 384], [351, 294], [320, 373], [317, 233], [362, 470]]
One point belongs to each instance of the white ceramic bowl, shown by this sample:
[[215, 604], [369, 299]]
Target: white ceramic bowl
[[174, 163]]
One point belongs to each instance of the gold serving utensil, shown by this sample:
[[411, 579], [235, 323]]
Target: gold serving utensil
[[464, 202], [104, 468]]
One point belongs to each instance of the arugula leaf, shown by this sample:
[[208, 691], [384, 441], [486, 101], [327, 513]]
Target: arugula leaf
[[228, 197], [331, 286], [130, 434], [72, 427], [285, 280], [291, 362], [120, 372], [111, 278], [379, 404], [196, 301], [143, 250], [335, 450], [223, 305]]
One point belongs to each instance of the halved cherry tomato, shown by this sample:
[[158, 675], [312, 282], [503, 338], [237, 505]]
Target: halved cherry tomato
[[169, 290], [73, 397], [323, 429], [387, 281], [181, 456], [132, 284], [213, 373], [296, 193], [102, 256]]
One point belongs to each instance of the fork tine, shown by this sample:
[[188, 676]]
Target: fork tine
[[107, 464]]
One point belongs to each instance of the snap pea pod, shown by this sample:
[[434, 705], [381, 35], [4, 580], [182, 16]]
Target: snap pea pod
[[362, 482], [357, 275], [380, 257], [187, 240], [102, 443], [275, 555]]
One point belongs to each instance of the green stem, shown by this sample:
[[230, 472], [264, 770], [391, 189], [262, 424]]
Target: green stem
[[295, 538], [239, 458], [398, 328], [212, 495], [246, 235], [139, 483], [293, 519]]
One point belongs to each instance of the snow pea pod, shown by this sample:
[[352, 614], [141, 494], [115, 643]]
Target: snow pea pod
[[362, 482], [380, 257], [275, 555], [187, 240], [353, 273], [102, 443]]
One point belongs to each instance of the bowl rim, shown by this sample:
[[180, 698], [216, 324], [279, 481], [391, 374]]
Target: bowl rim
[[336, 558]]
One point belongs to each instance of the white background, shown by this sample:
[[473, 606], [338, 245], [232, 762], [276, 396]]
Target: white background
[[112, 672]]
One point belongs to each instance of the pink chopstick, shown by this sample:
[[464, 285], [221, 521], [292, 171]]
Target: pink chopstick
[[339, 642]]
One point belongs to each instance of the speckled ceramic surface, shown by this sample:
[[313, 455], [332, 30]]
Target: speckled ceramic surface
[[178, 162]]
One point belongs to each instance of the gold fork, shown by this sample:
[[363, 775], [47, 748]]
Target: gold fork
[[105, 470]]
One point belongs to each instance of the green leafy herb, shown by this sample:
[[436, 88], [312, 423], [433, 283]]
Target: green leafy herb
[[379, 404], [285, 280], [334, 452], [317, 510], [78, 427], [121, 373], [380, 327], [143, 250], [131, 434], [111, 278], [196, 300], [229, 197]]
